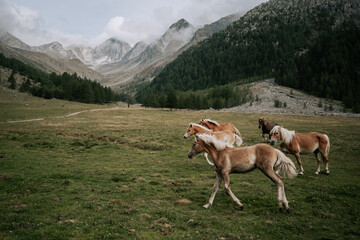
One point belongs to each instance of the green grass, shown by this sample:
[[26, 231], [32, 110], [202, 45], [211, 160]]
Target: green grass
[[122, 174]]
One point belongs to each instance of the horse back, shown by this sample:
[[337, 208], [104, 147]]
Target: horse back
[[238, 160], [227, 126], [311, 141], [248, 158]]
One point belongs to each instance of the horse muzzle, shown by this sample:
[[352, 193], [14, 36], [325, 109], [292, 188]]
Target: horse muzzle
[[190, 155], [259, 126], [272, 142], [185, 136]]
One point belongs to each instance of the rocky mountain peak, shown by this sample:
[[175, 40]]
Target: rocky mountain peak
[[181, 24], [112, 50], [12, 41]]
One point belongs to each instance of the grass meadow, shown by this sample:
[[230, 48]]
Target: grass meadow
[[119, 173]]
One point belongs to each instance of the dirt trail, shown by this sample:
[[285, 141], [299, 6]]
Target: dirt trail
[[65, 116]]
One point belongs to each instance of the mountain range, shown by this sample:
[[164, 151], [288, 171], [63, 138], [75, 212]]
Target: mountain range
[[113, 62]]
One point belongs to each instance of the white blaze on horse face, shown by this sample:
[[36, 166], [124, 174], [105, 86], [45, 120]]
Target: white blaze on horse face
[[260, 122], [187, 134], [275, 134]]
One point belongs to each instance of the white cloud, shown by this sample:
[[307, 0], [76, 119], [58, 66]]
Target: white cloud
[[130, 31], [130, 21], [27, 25], [114, 26]]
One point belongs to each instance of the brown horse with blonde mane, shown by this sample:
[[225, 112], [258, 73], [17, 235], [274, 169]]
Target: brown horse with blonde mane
[[215, 126], [242, 160], [223, 138], [296, 143]]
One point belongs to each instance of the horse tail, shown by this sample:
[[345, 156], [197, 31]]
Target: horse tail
[[238, 140], [327, 149], [237, 132], [284, 165]]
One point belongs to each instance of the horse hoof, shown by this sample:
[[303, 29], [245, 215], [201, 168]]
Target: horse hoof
[[280, 209], [241, 208], [206, 206], [316, 173], [301, 173], [327, 173], [288, 210]]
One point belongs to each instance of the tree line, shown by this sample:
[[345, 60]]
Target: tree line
[[216, 98], [65, 86]]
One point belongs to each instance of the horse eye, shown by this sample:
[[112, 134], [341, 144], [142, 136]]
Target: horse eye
[[189, 130]]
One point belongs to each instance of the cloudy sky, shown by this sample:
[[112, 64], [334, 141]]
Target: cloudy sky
[[91, 22]]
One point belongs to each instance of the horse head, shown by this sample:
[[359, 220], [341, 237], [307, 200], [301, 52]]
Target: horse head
[[261, 122], [189, 131], [196, 148], [275, 135], [203, 123]]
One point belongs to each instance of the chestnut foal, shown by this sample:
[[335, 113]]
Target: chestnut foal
[[215, 126], [296, 143], [243, 160], [223, 138]]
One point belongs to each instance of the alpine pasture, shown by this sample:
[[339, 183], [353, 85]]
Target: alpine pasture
[[83, 171]]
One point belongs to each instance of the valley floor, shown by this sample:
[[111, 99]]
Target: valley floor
[[110, 172]]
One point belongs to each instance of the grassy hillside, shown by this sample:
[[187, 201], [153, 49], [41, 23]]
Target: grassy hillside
[[65, 86], [119, 173]]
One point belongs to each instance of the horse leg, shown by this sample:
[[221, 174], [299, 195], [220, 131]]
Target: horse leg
[[226, 177], [325, 158], [317, 155], [282, 201], [297, 155], [207, 159], [218, 180]]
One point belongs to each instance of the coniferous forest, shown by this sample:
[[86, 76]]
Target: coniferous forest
[[66, 86], [308, 49]]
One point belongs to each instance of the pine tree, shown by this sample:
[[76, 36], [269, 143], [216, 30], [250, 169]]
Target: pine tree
[[12, 81], [172, 101]]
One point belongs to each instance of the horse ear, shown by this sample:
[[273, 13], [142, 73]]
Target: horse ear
[[190, 124]]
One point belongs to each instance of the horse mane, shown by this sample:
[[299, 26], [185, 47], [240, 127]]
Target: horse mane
[[286, 135], [211, 121], [211, 139], [200, 126]]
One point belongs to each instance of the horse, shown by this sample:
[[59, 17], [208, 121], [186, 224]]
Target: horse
[[223, 138], [270, 161], [296, 143], [215, 126], [266, 126]]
